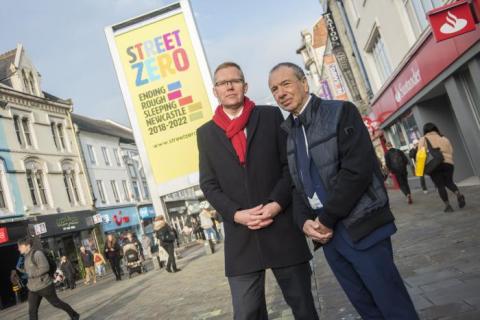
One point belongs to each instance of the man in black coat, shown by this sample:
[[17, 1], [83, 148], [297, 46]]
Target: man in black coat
[[244, 175]]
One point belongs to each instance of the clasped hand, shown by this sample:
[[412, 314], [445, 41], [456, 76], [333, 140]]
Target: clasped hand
[[259, 217], [315, 230]]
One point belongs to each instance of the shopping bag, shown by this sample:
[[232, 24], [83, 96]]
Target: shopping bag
[[420, 162]]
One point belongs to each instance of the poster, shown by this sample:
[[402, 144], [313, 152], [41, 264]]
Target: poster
[[163, 72]]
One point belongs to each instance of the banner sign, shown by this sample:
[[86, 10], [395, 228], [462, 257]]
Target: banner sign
[[165, 83], [451, 20]]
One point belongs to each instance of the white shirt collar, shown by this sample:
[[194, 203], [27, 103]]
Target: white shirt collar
[[234, 117], [304, 106]]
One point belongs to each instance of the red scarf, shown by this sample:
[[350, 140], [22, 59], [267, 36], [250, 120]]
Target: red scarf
[[235, 129]]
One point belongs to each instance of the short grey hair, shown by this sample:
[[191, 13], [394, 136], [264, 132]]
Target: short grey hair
[[297, 70]]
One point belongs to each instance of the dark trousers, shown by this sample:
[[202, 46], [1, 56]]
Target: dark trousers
[[442, 177], [49, 293], [70, 281], [423, 183], [402, 178], [171, 263], [248, 293], [370, 279], [115, 264]]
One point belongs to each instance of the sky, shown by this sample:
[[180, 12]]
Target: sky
[[66, 42]]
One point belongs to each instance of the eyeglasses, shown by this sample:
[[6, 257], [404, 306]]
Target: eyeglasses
[[227, 83]]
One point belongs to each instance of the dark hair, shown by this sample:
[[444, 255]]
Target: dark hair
[[430, 127], [27, 241], [228, 64], [299, 73]]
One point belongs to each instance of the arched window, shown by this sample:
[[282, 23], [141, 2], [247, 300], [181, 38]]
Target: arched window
[[70, 182], [5, 196], [36, 182]]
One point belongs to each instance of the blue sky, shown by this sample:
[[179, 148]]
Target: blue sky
[[66, 42]]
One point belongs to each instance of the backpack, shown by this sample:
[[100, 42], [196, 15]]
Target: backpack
[[397, 161], [52, 265], [166, 235]]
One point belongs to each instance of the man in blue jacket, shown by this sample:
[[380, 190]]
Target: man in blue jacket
[[339, 198]]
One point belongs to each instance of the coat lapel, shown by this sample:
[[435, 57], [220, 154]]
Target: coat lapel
[[225, 141], [252, 126]]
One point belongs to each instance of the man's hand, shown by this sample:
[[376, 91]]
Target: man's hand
[[246, 217], [265, 216], [315, 230]]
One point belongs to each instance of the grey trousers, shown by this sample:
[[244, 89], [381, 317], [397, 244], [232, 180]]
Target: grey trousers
[[248, 293]]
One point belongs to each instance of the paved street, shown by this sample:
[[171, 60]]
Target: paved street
[[437, 254]]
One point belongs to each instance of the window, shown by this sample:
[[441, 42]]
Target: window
[[105, 156], [117, 157], [136, 190], [71, 186], [113, 183], [101, 191], [26, 131], [26, 82], [91, 154], [16, 123], [376, 48], [54, 134], [32, 83], [132, 171], [4, 204], [145, 189], [126, 193], [417, 12], [36, 187], [61, 136]]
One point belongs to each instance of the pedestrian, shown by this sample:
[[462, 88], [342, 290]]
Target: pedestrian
[[397, 162], [88, 265], [68, 271], [206, 223], [146, 245], [244, 176], [166, 236], [113, 255], [40, 283], [100, 263], [442, 175], [340, 198], [413, 156]]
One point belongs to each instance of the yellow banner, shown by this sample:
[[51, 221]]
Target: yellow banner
[[168, 94]]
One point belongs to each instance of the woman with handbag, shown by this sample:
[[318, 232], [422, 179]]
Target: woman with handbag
[[440, 165]]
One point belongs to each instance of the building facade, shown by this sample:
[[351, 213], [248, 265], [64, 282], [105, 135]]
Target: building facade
[[44, 191], [116, 176], [417, 79]]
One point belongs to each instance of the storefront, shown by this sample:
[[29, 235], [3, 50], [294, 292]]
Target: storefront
[[439, 83], [10, 233], [119, 221], [64, 233]]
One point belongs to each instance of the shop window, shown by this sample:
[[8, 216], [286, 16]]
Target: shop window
[[410, 128], [101, 191], [113, 183], [105, 156]]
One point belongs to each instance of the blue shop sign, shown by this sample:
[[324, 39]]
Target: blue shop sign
[[119, 218], [146, 212]]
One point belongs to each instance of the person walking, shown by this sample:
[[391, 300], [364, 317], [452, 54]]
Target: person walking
[[40, 282], [244, 176], [397, 162], [113, 255], [413, 156], [339, 196], [166, 236], [88, 265], [100, 263], [68, 271], [442, 175]]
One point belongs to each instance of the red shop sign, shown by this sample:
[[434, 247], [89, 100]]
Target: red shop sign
[[451, 20], [3, 235]]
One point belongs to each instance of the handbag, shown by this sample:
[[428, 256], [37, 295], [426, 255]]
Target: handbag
[[434, 158]]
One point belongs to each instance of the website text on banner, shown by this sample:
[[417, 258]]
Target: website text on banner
[[169, 97]]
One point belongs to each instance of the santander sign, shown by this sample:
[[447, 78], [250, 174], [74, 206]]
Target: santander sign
[[451, 20]]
